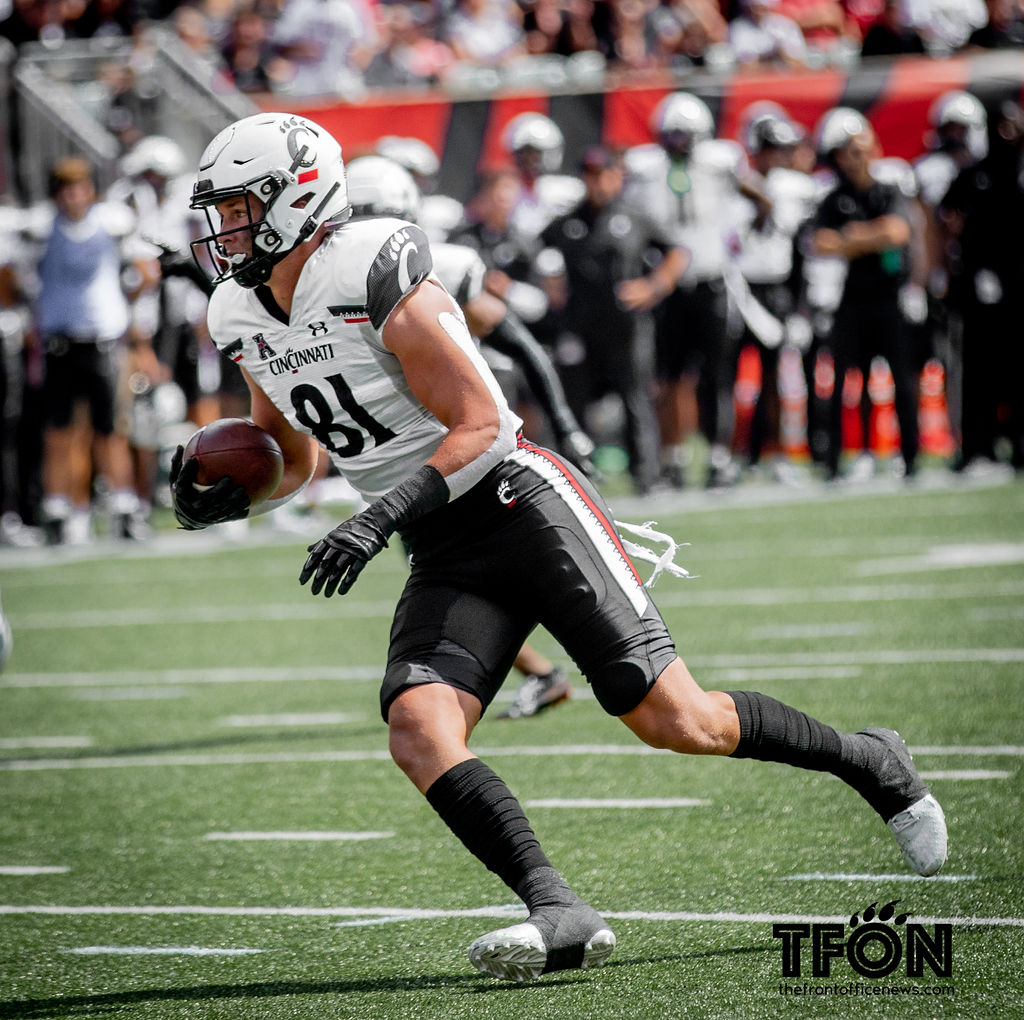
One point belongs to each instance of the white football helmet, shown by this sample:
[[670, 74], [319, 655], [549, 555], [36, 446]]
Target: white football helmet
[[959, 109], [378, 186], [414, 154], [292, 167], [538, 132], [766, 124], [836, 128], [681, 120], [156, 154]]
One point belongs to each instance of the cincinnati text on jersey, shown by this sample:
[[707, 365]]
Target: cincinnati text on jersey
[[292, 360]]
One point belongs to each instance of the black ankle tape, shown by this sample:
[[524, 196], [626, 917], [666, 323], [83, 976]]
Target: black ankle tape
[[474, 802]]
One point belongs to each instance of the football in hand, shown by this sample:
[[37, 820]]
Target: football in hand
[[240, 450]]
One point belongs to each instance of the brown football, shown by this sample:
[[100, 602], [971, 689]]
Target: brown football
[[238, 449]]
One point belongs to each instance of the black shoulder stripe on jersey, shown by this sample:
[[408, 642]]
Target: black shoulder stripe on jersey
[[403, 261]]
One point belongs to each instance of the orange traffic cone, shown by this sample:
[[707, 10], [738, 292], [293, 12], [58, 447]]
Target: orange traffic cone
[[792, 405], [933, 413], [884, 428], [746, 390], [853, 428]]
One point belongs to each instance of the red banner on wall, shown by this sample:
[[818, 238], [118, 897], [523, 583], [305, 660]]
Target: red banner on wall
[[895, 95]]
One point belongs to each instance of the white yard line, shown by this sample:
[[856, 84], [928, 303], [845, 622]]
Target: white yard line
[[159, 951], [47, 743], [618, 802], [309, 836], [290, 719], [504, 912], [690, 594], [818, 664], [31, 869], [223, 675], [820, 876], [381, 754], [966, 774]]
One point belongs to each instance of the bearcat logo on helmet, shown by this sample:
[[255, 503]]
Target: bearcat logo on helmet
[[291, 175]]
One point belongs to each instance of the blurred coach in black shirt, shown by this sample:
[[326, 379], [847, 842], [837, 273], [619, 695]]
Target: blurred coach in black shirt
[[617, 264]]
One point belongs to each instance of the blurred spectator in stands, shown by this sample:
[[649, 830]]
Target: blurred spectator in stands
[[193, 29], [863, 13], [827, 29], [82, 318], [409, 57], [618, 264], [761, 37], [890, 35], [125, 109], [984, 208], [945, 25], [700, 24], [636, 43], [329, 44], [249, 55], [548, 28], [1004, 28], [38, 21], [487, 33], [106, 18]]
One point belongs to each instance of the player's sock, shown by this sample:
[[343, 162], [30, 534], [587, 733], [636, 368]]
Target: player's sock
[[773, 731], [474, 802]]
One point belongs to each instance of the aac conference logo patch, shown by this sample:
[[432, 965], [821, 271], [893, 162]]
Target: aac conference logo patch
[[875, 944]]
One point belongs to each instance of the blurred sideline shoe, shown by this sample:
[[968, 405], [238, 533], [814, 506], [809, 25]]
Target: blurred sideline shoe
[[537, 693]]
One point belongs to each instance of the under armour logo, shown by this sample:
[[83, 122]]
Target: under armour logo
[[317, 327], [506, 493]]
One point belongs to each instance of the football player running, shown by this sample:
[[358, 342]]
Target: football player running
[[347, 339]]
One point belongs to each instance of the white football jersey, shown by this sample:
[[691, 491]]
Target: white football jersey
[[766, 255], [460, 269], [934, 173], [698, 200], [327, 369], [551, 196]]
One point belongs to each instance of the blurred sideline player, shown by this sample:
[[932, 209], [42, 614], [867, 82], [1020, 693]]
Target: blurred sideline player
[[439, 214], [505, 535], [957, 139], [768, 283], [690, 179], [536, 146]]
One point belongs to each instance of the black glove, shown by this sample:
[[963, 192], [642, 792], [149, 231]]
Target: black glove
[[176, 263], [339, 557], [196, 509]]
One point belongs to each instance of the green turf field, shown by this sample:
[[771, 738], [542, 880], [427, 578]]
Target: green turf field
[[200, 818]]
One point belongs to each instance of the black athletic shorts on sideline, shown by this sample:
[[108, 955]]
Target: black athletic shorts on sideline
[[532, 543], [80, 370]]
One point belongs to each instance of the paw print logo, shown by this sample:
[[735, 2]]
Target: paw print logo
[[397, 243], [887, 913]]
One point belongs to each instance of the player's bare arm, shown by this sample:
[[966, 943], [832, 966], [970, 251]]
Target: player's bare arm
[[442, 375]]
